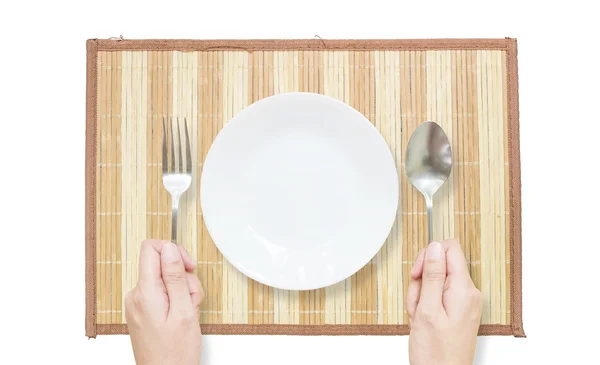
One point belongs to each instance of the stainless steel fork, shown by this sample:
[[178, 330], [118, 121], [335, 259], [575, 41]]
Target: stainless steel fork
[[176, 175]]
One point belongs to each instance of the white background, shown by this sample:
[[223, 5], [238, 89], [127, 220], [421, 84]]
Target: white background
[[42, 124]]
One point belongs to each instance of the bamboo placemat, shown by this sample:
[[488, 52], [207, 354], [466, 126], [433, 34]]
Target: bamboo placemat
[[468, 86]]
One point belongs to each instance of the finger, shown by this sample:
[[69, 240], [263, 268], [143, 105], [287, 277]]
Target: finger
[[412, 297], [149, 264], [175, 279], [196, 292], [414, 285], [433, 278], [190, 265], [456, 264], [417, 269]]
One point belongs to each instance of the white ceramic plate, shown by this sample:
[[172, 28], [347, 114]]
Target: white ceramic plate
[[299, 191]]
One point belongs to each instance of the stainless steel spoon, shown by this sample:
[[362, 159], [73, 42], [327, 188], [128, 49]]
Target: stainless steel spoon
[[428, 163]]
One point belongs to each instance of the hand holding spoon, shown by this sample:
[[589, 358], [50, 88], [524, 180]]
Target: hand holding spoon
[[428, 163]]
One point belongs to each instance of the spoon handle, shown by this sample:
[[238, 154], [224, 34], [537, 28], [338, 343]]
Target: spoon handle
[[429, 203]]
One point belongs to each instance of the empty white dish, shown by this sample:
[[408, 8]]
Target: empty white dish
[[299, 191]]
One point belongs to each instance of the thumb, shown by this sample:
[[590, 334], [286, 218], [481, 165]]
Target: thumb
[[433, 279], [175, 279]]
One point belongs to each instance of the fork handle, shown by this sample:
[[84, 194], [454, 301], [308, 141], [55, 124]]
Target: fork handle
[[175, 208]]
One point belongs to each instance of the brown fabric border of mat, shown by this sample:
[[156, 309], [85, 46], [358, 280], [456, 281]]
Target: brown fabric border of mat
[[298, 44], [308, 330], [90, 188], [514, 158], [507, 44]]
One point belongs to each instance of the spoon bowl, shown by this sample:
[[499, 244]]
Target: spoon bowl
[[428, 163]]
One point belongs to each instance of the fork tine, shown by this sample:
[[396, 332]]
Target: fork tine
[[180, 168], [165, 162], [188, 153], [173, 166]]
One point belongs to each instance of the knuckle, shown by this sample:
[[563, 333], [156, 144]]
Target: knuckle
[[129, 301], [187, 320], [427, 317], [476, 296], [475, 316], [138, 298], [433, 275], [133, 298], [174, 277], [131, 307], [427, 320]]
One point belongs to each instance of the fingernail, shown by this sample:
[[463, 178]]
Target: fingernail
[[435, 251], [170, 253]]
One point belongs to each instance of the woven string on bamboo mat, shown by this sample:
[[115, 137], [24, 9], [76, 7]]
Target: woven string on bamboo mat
[[469, 87]]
